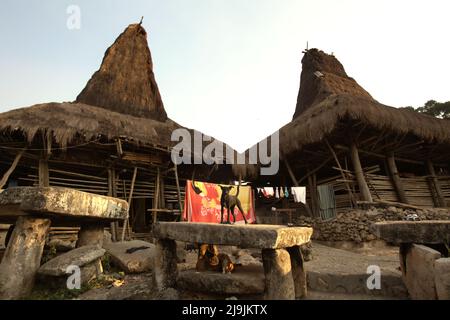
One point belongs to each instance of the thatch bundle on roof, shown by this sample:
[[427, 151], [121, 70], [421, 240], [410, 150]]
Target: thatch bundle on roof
[[125, 82], [323, 75]]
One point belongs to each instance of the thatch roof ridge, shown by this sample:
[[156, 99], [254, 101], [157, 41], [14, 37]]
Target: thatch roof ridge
[[125, 81]]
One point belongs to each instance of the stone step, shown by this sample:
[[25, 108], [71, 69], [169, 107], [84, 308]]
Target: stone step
[[341, 271], [355, 284]]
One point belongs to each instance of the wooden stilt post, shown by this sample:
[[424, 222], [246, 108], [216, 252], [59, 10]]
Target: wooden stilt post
[[398, 185], [44, 178], [12, 168], [177, 182], [362, 184], [156, 199], [295, 183], [440, 196], [111, 194], [312, 196], [162, 190], [130, 197]]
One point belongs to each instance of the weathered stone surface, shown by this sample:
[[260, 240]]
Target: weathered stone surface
[[243, 281], [431, 231], [73, 203], [244, 236], [61, 245], [442, 278], [107, 237], [15, 195], [246, 259], [298, 272], [279, 283], [166, 271], [140, 260], [418, 272], [90, 234], [22, 257], [79, 257]]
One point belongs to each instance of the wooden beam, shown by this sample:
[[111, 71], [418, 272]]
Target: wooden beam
[[156, 198], [440, 196], [12, 168], [177, 182], [291, 173], [398, 185], [111, 182], [341, 170], [320, 166], [357, 168], [378, 155], [130, 197], [119, 147], [44, 180]]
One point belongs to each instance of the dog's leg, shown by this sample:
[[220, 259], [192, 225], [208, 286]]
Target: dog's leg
[[242, 211], [228, 216], [221, 213], [232, 213]]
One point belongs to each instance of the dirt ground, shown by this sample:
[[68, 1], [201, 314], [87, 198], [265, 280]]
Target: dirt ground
[[326, 259]]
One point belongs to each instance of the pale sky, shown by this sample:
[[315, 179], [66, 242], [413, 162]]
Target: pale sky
[[229, 68]]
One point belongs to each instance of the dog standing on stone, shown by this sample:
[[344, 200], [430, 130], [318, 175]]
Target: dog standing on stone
[[229, 202]]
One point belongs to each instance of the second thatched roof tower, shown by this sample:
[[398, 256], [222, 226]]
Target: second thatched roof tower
[[125, 82]]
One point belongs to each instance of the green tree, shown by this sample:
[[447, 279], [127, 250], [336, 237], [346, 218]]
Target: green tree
[[433, 108], [436, 109]]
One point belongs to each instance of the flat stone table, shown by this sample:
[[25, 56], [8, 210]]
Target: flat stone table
[[33, 210], [425, 270], [285, 276]]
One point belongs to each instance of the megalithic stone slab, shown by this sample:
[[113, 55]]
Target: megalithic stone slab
[[73, 203], [421, 232], [442, 278], [279, 283], [245, 236], [90, 234], [22, 257], [166, 271]]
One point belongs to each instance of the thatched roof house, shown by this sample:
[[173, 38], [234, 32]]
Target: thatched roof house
[[339, 129], [117, 123]]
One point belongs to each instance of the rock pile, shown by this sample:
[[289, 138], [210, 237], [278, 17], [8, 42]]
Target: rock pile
[[353, 225]]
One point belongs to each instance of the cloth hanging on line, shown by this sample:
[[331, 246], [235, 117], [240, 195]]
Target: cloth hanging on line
[[327, 201], [268, 192], [281, 192], [277, 195], [299, 194]]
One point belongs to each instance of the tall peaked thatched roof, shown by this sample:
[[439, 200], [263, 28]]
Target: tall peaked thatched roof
[[329, 100], [120, 100], [125, 82], [323, 75], [328, 95]]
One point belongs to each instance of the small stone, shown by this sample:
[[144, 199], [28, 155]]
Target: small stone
[[134, 256]]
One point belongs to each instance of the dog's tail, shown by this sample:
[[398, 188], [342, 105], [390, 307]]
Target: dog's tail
[[237, 192]]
